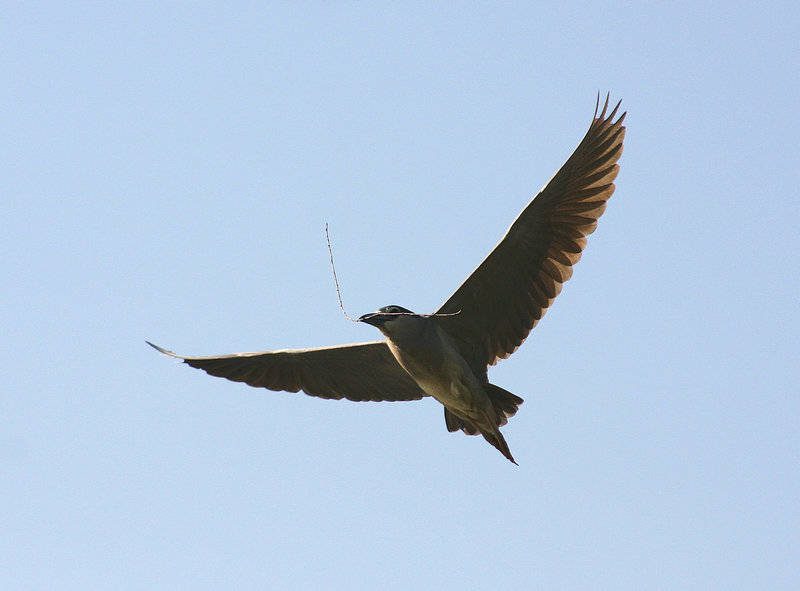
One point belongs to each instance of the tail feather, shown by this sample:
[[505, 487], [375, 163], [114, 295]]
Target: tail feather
[[455, 423], [505, 403]]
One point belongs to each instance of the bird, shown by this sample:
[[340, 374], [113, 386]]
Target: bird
[[447, 354]]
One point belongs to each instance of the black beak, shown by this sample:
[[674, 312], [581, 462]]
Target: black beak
[[373, 318]]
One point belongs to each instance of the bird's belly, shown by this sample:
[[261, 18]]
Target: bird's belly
[[445, 377]]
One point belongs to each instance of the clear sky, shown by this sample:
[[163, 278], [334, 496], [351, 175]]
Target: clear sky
[[167, 171]]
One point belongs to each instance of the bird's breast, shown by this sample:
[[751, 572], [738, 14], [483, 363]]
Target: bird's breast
[[439, 369]]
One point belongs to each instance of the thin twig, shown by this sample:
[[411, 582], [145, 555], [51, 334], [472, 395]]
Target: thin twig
[[336, 279], [339, 293]]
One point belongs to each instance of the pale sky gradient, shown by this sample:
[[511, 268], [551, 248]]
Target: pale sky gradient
[[167, 171]]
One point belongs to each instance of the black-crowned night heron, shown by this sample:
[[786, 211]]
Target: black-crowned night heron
[[447, 354]]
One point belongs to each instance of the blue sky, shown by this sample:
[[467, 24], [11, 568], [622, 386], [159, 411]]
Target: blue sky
[[167, 173]]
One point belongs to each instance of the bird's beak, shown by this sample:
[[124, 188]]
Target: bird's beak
[[373, 318]]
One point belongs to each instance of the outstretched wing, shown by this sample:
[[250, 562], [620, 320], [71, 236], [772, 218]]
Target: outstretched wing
[[502, 300], [361, 372]]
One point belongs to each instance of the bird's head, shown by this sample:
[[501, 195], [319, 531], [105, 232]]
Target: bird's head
[[385, 317]]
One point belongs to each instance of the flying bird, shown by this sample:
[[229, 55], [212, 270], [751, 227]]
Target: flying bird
[[447, 354]]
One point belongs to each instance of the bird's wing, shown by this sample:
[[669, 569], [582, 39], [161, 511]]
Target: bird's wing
[[498, 305], [361, 372]]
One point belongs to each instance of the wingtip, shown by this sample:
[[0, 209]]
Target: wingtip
[[601, 115], [597, 106], [164, 351]]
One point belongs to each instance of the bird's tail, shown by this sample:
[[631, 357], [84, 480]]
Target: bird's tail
[[505, 403], [491, 434]]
